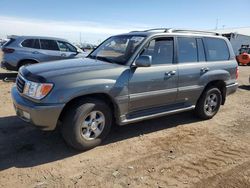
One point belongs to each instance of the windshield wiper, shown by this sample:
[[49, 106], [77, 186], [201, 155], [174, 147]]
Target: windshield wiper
[[105, 59], [91, 56], [102, 59]]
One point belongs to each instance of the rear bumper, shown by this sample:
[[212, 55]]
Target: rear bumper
[[8, 66], [232, 88], [43, 116]]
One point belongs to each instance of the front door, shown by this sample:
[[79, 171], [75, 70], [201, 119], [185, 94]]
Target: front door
[[154, 86], [49, 50]]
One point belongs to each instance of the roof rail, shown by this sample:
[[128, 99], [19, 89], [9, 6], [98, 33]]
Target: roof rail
[[193, 31], [158, 29], [170, 30]]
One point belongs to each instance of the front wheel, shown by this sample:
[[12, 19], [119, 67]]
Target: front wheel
[[86, 124], [209, 103]]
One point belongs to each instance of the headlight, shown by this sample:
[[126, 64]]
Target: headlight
[[37, 90]]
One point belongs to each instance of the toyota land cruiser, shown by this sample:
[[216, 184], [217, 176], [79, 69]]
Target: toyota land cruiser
[[128, 78]]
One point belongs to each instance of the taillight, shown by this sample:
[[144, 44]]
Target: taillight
[[237, 73], [8, 50]]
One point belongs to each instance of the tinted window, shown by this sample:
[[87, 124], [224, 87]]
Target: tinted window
[[66, 47], [187, 50], [201, 51], [31, 43], [161, 50], [49, 44], [217, 49]]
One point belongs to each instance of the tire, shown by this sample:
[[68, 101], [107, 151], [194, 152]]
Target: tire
[[81, 130], [209, 103]]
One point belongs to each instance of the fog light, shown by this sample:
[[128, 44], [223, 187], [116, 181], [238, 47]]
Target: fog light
[[26, 115]]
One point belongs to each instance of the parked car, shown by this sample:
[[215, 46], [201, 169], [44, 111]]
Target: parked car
[[128, 78], [244, 55], [26, 50], [86, 47], [2, 41]]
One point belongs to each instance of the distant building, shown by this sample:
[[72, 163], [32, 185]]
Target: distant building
[[237, 37]]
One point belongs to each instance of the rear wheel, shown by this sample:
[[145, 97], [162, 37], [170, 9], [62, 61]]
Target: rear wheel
[[209, 103], [86, 124]]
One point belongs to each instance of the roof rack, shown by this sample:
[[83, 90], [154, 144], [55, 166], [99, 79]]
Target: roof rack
[[170, 30], [158, 29], [193, 31]]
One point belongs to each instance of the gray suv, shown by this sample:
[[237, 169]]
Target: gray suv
[[26, 50], [126, 79]]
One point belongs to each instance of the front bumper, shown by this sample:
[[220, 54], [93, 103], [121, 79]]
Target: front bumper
[[43, 116], [232, 88]]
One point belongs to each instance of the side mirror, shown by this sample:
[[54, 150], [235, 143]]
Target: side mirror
[[143, 61]]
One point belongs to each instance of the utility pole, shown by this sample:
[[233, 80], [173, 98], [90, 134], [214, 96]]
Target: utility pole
[[216, 26], [80, 38]]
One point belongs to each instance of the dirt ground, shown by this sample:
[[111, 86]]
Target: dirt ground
[[173, 151]]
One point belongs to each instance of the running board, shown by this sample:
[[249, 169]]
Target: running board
[[127, 121]]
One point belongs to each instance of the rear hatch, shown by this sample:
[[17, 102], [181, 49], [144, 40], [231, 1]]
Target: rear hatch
[[5, 48]]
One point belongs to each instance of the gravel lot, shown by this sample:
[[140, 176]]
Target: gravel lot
[[173, 151]]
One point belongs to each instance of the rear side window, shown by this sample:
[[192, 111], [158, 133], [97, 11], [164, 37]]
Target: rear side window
[[187, 50], [31, 43], [49, 45], [217, 49]]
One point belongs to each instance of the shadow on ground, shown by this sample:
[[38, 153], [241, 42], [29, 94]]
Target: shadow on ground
[[22, 145], [8, 77], [245, 87]]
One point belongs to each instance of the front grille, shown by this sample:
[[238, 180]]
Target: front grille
[[20, 83]]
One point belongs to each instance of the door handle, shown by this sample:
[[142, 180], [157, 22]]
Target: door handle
[[63, 55], [35, 52], [170, 73], [205, 69]]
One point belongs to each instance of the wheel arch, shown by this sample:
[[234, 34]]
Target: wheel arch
[[221, 85], [100, 96], [21, 62]]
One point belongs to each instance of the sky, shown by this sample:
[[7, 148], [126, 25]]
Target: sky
[[94, 20]]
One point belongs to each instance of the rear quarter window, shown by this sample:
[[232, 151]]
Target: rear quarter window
[[216, 49], [9, 42]]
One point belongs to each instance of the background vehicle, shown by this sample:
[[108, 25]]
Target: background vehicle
[[128, 78], [244, 55], [2, 41], [25, 50], [86, 47]]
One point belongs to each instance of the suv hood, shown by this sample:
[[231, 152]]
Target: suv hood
[[39, 72]]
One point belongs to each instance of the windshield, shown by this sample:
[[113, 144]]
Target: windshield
[[117, 49]]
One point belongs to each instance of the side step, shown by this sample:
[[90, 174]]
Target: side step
[[151, 116]]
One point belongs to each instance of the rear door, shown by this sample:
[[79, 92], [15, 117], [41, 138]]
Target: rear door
[[192, 66], [50, 50], [30, 49]]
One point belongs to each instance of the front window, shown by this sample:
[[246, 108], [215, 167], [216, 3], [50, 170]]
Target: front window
[[66, 47], [117, 49]]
